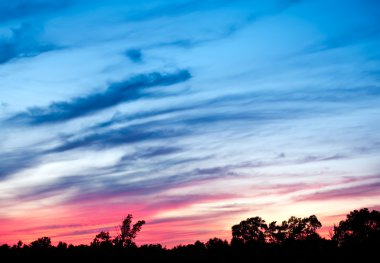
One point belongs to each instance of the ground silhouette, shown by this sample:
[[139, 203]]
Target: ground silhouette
[[354, 239]]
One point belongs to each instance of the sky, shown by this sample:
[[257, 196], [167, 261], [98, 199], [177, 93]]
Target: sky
[[192, 115]]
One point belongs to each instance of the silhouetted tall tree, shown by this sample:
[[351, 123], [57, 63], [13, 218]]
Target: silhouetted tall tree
[[127, 233], [360, 227], [251, 230]]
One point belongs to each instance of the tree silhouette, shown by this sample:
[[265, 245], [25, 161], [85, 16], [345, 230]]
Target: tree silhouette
[[216, 244], [302, 228], [102, 239], [277, 233], [41, 243], [62, 245], [360, 227], [127, 233], [251, 230], [19, 244]]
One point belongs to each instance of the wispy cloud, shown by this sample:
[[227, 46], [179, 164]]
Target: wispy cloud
[[13, 162], [359, 190], [285, 105], [116, 93], [23, 42], [117, 137], [98, 187], [151, 152], [348, 39], [47, 227]]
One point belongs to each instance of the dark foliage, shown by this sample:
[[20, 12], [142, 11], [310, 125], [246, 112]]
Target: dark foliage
[[41, 243], [360, 228], [357, 238]]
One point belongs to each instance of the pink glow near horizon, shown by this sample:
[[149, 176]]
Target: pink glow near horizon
[[178, 220]]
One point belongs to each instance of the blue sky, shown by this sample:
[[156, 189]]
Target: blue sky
[[190, 114]]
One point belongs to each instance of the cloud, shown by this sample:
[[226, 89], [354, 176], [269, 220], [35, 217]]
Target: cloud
[[86, 231], [369, 189], [16, 161], [313, 158], [47, 227], [134, 55], [164, 182], [116, 93], [175, 121], [116, 137], [151, 152], [18, 9], [163, 203], [344, 40], [11, 163], [175, 9], [214, 110], [23, 42], [96, 186], [196, 219]]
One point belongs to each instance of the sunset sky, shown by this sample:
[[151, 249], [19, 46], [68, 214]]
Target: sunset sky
[[190, 114]]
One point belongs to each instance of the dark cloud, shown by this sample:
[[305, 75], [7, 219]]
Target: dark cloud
[[23, 42], [212, 112], [120, 118], [116, 137], [135, 55], [182, 43], [116, 93], [19, 9], [13, 162]]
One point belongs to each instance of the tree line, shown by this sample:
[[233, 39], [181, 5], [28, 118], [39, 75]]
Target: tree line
[[357, 237]]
